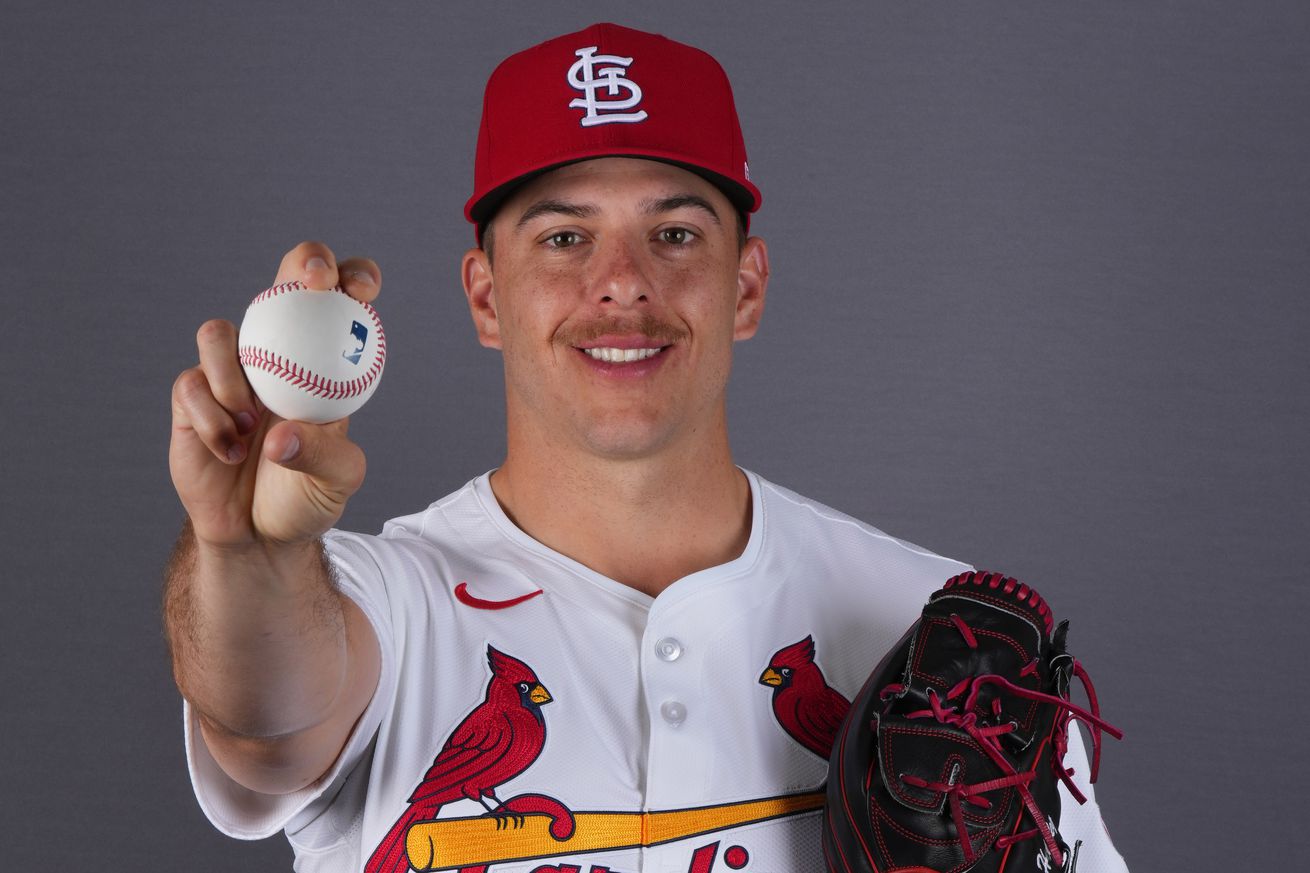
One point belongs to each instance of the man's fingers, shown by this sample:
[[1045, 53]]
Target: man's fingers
[[311, 263], [322, 452], [361, 278], [314, 264], [216, 341], [194, 407]]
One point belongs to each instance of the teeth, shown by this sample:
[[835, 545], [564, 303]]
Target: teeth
[[621, 356]]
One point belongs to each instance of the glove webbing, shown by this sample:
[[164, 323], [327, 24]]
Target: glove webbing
[[986, 738]]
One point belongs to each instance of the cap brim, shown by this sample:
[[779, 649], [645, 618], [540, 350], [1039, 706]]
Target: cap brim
[[480, 211]]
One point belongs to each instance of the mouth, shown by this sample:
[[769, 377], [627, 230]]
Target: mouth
[[625, 350], [612, 355]]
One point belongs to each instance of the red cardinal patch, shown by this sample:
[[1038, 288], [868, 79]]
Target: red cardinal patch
[[807, 708], [495, 742]]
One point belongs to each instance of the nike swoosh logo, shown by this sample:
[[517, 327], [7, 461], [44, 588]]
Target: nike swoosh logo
[[463, 596]]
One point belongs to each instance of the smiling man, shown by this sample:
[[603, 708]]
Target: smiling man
[[383, 699], [615, 290]]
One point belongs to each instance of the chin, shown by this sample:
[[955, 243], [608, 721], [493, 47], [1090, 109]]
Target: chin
[[622, 441]]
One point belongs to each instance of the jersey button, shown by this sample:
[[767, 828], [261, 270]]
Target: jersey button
[[668, 649], [674, 712]]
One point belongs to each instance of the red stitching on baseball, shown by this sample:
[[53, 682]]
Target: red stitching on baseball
[[282, 289], [302, 378], [313, 383]]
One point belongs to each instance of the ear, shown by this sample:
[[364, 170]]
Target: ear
[[752, 283], [480, 291]]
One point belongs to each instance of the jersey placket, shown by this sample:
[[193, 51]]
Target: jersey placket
[[677, 755]]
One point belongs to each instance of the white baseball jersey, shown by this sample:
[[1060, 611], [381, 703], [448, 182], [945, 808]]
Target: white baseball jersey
[[683, 733]]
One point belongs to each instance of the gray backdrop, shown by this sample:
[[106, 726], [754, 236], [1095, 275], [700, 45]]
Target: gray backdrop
[[1038, 303]]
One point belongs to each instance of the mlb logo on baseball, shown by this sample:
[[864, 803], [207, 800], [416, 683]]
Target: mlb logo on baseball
[[312, 356], [358, 333]]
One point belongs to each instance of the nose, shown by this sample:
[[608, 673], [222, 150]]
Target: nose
[[620, 276]]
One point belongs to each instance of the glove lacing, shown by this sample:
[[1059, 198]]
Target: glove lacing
[[965, 718]]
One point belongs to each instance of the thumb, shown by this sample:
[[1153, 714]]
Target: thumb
[[322, 452]]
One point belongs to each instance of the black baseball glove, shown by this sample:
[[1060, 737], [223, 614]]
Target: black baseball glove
[[950, 757]]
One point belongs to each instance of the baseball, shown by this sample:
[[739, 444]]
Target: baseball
[[313, 356]]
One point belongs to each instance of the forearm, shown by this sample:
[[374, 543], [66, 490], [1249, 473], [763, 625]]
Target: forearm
[[276, 664], [258, 636]]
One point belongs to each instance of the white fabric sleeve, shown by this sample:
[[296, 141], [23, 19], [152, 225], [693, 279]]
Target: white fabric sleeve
[[249, 815], [1082, 822]]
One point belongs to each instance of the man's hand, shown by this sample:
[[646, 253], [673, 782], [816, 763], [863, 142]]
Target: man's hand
[[277, 664], [245, 476]]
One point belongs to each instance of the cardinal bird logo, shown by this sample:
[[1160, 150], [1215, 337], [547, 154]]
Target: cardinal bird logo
[[495, 742], [807, 708]]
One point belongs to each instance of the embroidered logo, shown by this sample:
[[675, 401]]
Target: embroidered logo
[[496, 741], [807, 708], [466, 597], [591, 74], [537, 826]]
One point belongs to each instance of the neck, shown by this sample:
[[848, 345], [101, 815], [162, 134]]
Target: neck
[[643, 522]]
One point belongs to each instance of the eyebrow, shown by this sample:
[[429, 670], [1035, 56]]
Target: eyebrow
[[679, 201], [555, 207], [652, 206]]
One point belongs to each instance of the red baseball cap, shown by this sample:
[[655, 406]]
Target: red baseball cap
[[607, 91]]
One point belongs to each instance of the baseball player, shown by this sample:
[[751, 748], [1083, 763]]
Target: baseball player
[[617, 651]]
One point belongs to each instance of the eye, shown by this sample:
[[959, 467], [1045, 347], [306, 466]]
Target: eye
[[676, 236], [523, 686], [786, 671], [563, 239]]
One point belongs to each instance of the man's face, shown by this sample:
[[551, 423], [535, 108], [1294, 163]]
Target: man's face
[[617, 290]]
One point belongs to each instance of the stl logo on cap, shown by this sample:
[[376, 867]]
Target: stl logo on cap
[[586, 77], [574, 98]]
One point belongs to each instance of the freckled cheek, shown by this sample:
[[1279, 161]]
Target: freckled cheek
[[531, 346], [534, 310], [706, 301]]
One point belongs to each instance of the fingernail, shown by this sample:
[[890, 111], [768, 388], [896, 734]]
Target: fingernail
[[245, 423], [363, 277], [292, 449], [236, 452], [315, 263]]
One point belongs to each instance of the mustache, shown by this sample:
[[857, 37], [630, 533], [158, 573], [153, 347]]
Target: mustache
[[659, 332]]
